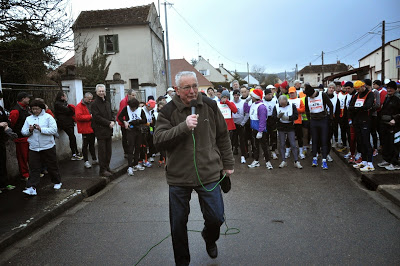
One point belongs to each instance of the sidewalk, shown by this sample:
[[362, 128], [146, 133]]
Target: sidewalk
[[21, 214], [385, 182]]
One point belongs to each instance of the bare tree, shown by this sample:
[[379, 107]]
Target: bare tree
[[258, 72]]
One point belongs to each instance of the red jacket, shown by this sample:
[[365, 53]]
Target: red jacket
[[122, 105], [229, 122], [83, 119]]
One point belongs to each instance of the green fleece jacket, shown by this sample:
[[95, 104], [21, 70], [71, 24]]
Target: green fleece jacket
[[213, 146]]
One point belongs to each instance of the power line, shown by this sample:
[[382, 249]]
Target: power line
[[358, 47], [204, 39], [393, 22]]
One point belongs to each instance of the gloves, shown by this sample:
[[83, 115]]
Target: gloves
[[280, 115], [259, 135], [285, 118]]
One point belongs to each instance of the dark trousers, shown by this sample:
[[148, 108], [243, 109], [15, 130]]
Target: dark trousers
[[374, 131], [36, 159], [319, 134], [298, 130], [147, 146], [263, 142], [272, 134], [88, 141], [248, 137], [212, 207], [3, 166], [389, 152], [362, 132], [72, 140], [238, 139], [124, 139], [331, 133], [134, 138], [344, 130], [105, 152], [22, 151], [335, 129]]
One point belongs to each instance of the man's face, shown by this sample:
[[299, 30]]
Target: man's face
[[88, 99], [349, 89], [338, 88], [36, 110], [223, 99], [219, 95], [236, 97], [25, 100], [235, 86], [244, 92], [344, 89], [375, 86], [132, 95], [297, 86], [283, 90], [188, 89], [171, 93], [268, 96], [211, 93], [390, 91], [360, 89], [283, 103], [101, 92], [293, 95], [331, 89]]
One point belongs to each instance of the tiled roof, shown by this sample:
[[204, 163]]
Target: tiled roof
[[178, 65], [113, 17], [332, 68]]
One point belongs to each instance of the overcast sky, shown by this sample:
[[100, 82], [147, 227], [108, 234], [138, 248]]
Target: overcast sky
[[274, 34]]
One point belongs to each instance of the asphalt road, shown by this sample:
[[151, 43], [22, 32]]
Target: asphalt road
[[285, 216]]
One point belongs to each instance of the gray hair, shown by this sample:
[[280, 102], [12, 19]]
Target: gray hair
[[88, 94], [332, 84], [283, 97], [100, 86], [130, 91], [297, 81], [183, 74], [235, 81]]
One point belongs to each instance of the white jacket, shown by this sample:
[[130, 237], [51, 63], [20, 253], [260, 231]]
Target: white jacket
[[44, 139]]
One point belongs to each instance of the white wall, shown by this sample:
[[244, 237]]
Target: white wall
[[214, 75]]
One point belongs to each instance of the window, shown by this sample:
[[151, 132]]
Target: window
[[302, 79], [134, 84], [319, 78], [108, 44], [205, 72]]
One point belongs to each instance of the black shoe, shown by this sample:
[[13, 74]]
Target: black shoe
[[235, 152], [211, 248], [105, 174]]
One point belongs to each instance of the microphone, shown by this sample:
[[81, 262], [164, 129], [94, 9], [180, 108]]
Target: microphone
[[193, 104]]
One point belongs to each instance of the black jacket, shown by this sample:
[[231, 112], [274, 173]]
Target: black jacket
[[362, 114], [101, 118], [64, 114], [390, 109], [3, 118]]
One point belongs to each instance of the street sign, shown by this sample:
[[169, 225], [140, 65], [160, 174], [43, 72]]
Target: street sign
[[398, 61]]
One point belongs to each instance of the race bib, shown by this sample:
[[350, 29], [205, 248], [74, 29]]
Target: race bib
[[225, 110], [359, 103]]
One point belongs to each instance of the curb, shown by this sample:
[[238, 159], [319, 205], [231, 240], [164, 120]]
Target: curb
[[60, 207]]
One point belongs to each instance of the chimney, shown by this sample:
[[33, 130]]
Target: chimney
[[199, 57], [338, 62], [310, 63], [221, 65]]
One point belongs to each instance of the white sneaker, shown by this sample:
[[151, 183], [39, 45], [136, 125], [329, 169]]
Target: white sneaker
[[359, 165], [274, 156], [254, 164], [298, 165], [329, 158], [138, 167], [268, 165], [130, 171], [30, 191], [151, 159], [283, 164], [88, 165], [57, 186], [383, 164], [392, 167], [287, 153], [367, 168], [302, 156], [242, 159], [347, 155], [95, 162]]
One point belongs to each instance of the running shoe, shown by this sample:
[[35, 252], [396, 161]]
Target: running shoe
[[314, 163], [268, 165], [283, 164], [254, 164], [324, 165]]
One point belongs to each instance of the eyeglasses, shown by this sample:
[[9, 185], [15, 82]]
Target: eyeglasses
[[188, 87]]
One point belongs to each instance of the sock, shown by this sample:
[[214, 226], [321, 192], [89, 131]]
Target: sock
[[324, 160], [301, 149], [314, 158]]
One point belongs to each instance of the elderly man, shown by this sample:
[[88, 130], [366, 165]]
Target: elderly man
[[103, 124], [178, 130], [124, 102]]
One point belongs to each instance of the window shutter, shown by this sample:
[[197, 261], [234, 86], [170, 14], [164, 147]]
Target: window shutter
[[101, 43], [116, 47]]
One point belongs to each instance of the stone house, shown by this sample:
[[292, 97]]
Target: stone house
[[313, 73]]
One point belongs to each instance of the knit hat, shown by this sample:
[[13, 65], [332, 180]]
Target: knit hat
[[277, 85], [348, 84], [292, 89], [170, 89], [343, 83], [392, 84], [257, 93], [358, 84], [267, 91], [284, 84], [308, 90], [321, 86], [225, 93], [151, 103], [368, 82]]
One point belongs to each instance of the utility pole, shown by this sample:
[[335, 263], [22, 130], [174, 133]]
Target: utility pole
[[248, 75], [285, 74], [296, 77], [322, 67], [383, 52], [166, 37]]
